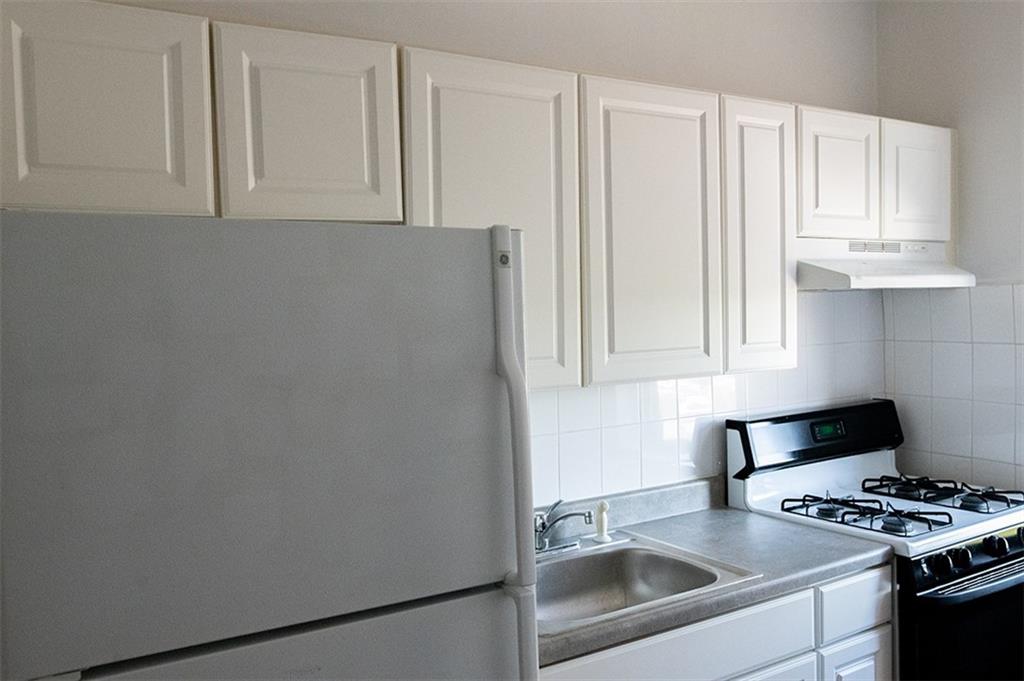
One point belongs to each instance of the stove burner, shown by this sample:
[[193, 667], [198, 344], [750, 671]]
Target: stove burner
[[828, 510], [896, 524], [974, 502]]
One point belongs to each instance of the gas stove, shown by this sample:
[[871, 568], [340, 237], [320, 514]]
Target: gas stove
[[959, 547], [835, 468]]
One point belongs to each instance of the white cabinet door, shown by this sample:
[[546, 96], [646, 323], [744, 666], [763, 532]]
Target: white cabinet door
[[802, 668], [105, 108], [489, 142], [916, 181], [867, 657], [838, 174], [759, 141], [307, 125], [652, 253], [718, 648]]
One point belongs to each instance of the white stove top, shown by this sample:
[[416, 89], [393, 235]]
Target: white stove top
[[841, 478]]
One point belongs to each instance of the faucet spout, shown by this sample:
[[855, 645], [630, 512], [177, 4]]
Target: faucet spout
[[543, 523]]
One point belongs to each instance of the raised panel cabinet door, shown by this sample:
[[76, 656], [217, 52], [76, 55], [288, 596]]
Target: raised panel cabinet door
[[916, 181], [652, 258], [759, 141], [838, 174], [867, 657], [105, 108], [489, 142], [307, 125]]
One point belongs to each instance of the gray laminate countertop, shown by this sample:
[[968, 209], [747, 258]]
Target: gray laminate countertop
[[789, 556]]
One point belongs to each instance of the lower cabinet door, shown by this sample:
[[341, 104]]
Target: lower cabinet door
[[718, 648], [867, 657], [803, 668]]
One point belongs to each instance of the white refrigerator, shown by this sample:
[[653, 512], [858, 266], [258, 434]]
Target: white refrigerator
[[263, 449]]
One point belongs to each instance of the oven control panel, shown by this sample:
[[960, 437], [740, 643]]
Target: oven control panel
[[969, 558]]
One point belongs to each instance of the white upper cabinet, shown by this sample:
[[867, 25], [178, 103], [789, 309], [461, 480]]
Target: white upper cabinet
[[105, 108], [489, 142], [652, 258], [916, 181], [759, 145], [308, 125], [838, 174]]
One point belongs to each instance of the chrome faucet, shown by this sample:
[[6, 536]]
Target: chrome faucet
[[543, 522]]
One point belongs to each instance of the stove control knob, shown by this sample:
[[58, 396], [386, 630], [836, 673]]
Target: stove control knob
[[941, 565], [996, 546], [962, 557]]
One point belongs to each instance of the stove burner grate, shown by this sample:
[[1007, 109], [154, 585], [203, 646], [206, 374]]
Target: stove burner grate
[[892, 520], [908, 487], [976, 499], [828, 507]]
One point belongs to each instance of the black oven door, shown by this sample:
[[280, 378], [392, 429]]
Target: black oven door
[[976, 633]]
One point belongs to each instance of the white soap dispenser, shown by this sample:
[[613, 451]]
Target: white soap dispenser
[[602, 536]]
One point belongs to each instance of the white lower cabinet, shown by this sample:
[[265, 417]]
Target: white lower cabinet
[[774, 641], [717, 648], [867, 657], [802, 668]]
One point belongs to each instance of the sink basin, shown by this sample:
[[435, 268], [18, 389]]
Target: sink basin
[[603, 581]]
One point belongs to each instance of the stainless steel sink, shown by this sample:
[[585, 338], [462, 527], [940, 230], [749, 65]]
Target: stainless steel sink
[[600, 581]]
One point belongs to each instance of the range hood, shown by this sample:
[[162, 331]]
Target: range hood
[[833, 264]]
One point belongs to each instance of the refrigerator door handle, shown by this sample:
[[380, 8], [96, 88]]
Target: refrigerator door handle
[[510, 366], [519, 585], [525, 599]]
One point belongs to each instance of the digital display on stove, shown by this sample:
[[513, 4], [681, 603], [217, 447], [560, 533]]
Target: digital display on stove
[[825, 431]]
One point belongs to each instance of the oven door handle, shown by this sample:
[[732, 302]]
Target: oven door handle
[[990, 581]]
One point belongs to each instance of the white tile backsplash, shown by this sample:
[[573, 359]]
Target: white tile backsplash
[[729, 392], [660, 453], [951, 370], [579, 463], [912, 314], [951, 315], [992, 314], [620, 404], [995, 373], [608, 439], [994, 428], [951, 426], [543, 412], [620, 458], [913, 368], [695, 396], [975, 427], [579, 409], [658, 400]]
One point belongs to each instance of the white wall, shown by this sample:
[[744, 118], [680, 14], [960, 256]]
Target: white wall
[[955, 367], [819, 53], [961, 64], [602, 440]]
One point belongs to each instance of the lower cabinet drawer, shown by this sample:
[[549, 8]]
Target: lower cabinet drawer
[[854, 604], [718, 648], [803, 668]]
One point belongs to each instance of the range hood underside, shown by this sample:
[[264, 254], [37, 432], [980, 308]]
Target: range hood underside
[[875, 274]]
